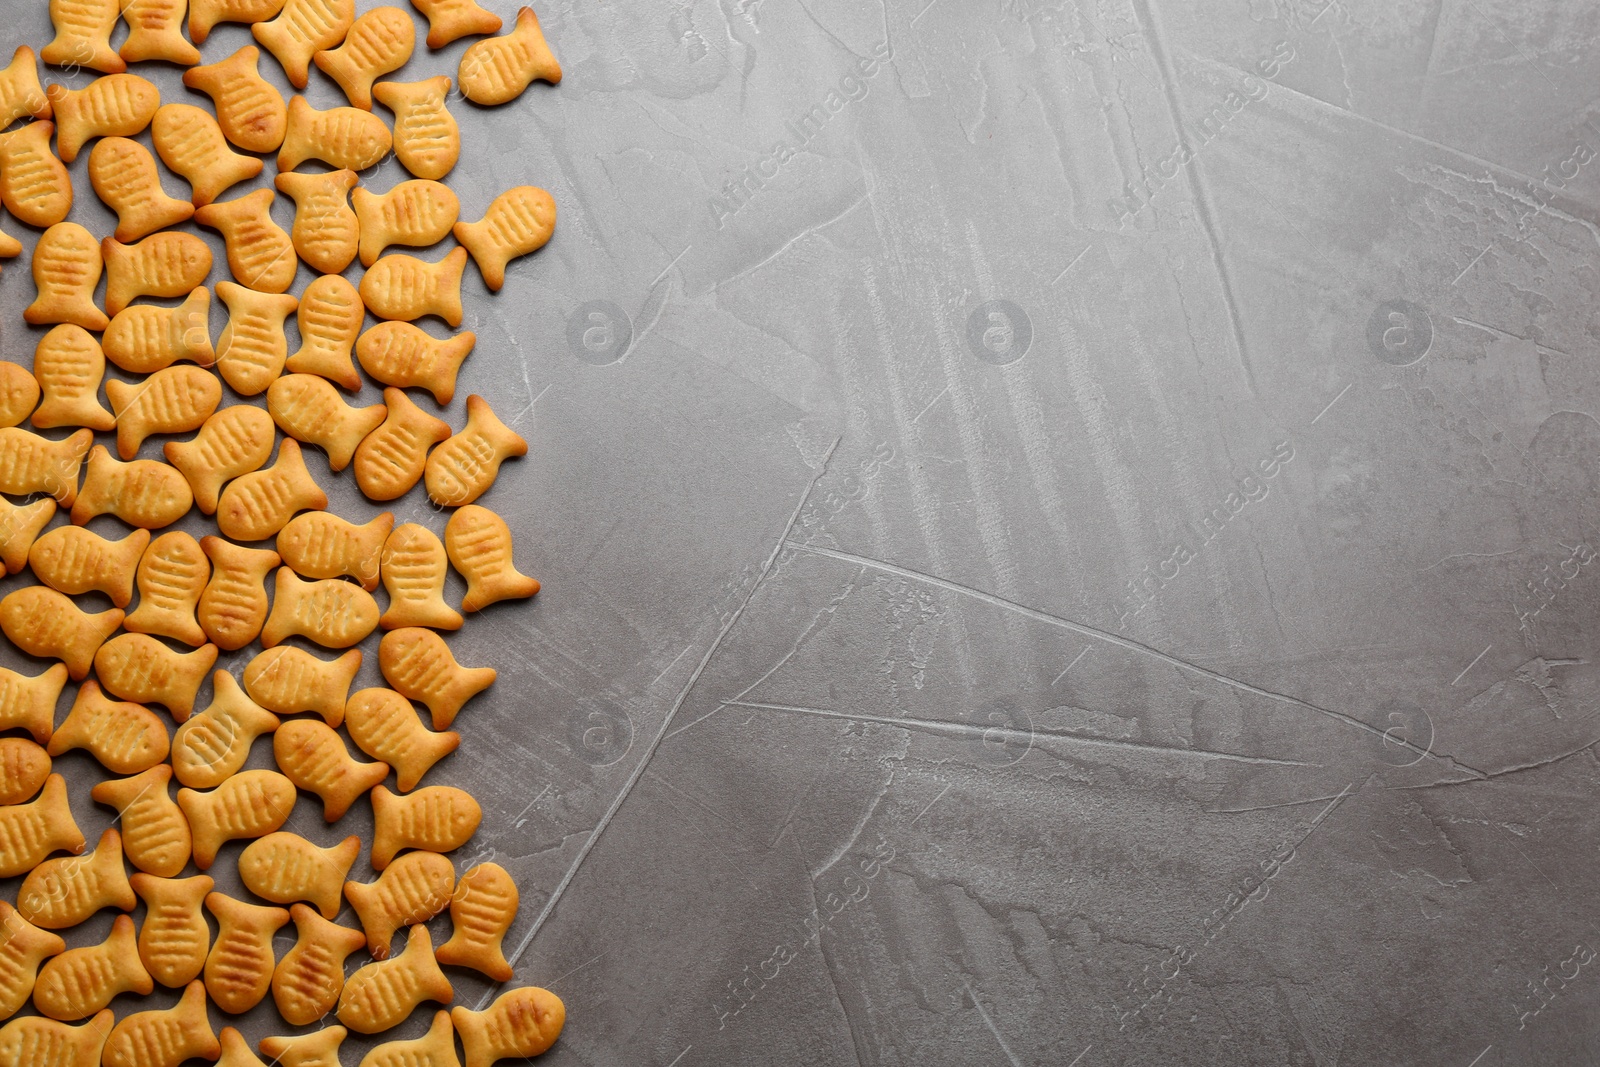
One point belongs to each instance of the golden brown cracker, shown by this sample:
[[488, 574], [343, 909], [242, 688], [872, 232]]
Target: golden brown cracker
[[320, 1048], [192, 145], [463, 468], [479, 544], [174, 940], [399, 286], [519, 222], [238, 970], [250, 112], [142, 492], [247, 805], [332, 613], [115, 105], [310, 977], [155, 32], [69, 365], [43, 622], [140, 668], [125, 179], [260, 254], [309, 409], [19, 526], [496, 71], [30, 832], [126, 738], [72, 560], [34, 184], [384, 725], [30, 463], [436, 1048], [213, 745], [165, 265], [418, 212], [378, 42], [285, 868], [67, 265], [451, 20], [255, 506], [413, 889], [66, 890], [325, 233], [302, 29], [404, 355], [155, 834], [234, 605], [204, 15], [253, 346], [24, 765], [482, 908], [427, 140], [235, 441], [419, 665], [381, 995], [313, 756], [414, 567], [520, 1023], [172, 575], [320, 544], [34, 1041], [144, 338], [437, 818], [82, 981], [19, 393], [21, 94], [391, 459], [173, 400], [289, 680], [342, 137], [83, 35], [29, 703], [23, 947], [181, 1032]]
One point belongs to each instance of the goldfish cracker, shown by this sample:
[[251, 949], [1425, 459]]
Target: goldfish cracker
[[406, 356], [309, 409], [479, 544], [288, 680], [310, 977], [381, 995], [317, 1049], [399, 286], [142, 492], [342, 137], [32, 464], [174, 940], [23, 947], [253, 347], [236, 1050], [427, 140], [419, 666], [30, 832], [451, 20], [139, 668], [155, 32], [126, 738], [257, 505], [164, 1038], [144, 339], [378, 42], [285, 868], [417, 213], [333, 613], [312, 755], [82, 981], [250, 804], [519, 221], [83, 35], [155, 834], [64, 891], [320, 544], [384, 725], [233, 442], [19, 392], [325, 232], [438, 818], [238, 971], [174, 400], [34, 184], [72, 560], [24, 766], [125, 179], [171, 577], [34, 1041], [234, 605], [69, 365], [21, 94], [43, 622], [496, 71], [302, 29], [250, 112], [414, 567], [205, 14], [166, 265], [30, 703], [436, 1048], [212, 746], [391, 459], [19, 527], [192, 145], [482, 908], [115, 105], [413, 889], [519, 1024], [260, 254], [67, 264], [330, 318], [463, 468]]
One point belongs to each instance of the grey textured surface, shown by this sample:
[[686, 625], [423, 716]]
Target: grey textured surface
[[1086, 559]]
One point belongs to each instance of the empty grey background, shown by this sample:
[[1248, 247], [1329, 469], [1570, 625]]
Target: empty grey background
[[920, 679]]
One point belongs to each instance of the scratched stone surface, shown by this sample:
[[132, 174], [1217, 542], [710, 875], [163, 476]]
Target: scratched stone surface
[[1069, 531]]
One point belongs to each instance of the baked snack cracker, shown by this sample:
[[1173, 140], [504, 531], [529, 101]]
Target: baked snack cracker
[[116, 105], [32, 464], [205, 14], [342, 137], [155, 31], [479, 544], [19, 392], [381, 995], [125, 179], [333, 613], [427, 140], [399, 286], [82, 981], [310, 410], [436, 1048], [234, 605], [34, 184], [43, 622], [404, 355], [23, 947], [164, 1038], [463, 468], [438, 818], [212, 746], [174, 940], [519, 221], [21, 94], [72, 560], [260, 254], [155, 834], [192, 145], [253, 346], [379, 41], [249, 804], [140, 668], [165, 265], [521, 1023], [69, 366], [257, 505], [66, 890], [171, 577], [482, 909], [19, 526], [320, 544], [34, 1041], [83, 35], [238, 970], [419, 666], [418, 212], [414, 567], [236, 1050], [144, 339], [451, 20], [285, 868], [126, 738], [390, 460], [250, 112], [142, 492], [384, 725], [302, 29], [30, 832], [310, 977], [24, 766], [325, 232], [173, 400], [496, 71], [289, 680], [233, 442], [317, 1049], [312, 755], [30, 703], [414, 889], [67, 266]]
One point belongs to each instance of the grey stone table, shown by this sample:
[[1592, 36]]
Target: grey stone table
[[1069, 531]]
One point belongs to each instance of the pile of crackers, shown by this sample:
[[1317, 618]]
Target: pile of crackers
[[192, 600]]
